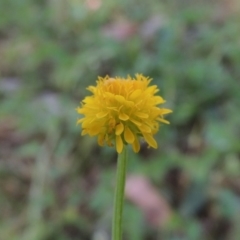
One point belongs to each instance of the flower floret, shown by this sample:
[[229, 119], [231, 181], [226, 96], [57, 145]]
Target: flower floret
[[121, 111]]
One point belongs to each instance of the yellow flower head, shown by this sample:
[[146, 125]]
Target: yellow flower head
[[121, 111]]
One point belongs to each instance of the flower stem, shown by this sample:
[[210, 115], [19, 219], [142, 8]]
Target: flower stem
[[119, 195]]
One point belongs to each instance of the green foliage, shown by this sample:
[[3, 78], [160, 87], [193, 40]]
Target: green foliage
[[55, 184]]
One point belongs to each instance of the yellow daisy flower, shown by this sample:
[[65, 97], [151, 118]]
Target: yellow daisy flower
[[121, 111]]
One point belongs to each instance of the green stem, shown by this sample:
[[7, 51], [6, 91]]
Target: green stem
[[119, 195]]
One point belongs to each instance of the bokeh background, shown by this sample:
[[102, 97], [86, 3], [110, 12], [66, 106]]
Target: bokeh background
[[56, 184]]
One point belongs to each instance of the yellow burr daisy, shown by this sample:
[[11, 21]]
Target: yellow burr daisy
[[121, 111]]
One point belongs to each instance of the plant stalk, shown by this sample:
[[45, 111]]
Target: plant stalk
[[119, 195]]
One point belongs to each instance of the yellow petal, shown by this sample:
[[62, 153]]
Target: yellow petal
[[91, 88], [85, 123], [145, 128], [119, 144], [119, 129], [84, 132], [109, 95], [141, 115], [123, 116], [101, 139], [136, 145], [163, 120], [150, 140], [135, 94], [78, 109], [165, 111], [135, 122], [128, 135], [101, 114], [80, 120], [129, 103], [120, 98], [94, 130], [151, 89], [159, 100]]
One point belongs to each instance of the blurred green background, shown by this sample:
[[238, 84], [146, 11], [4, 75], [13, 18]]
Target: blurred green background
[[57, 185]]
